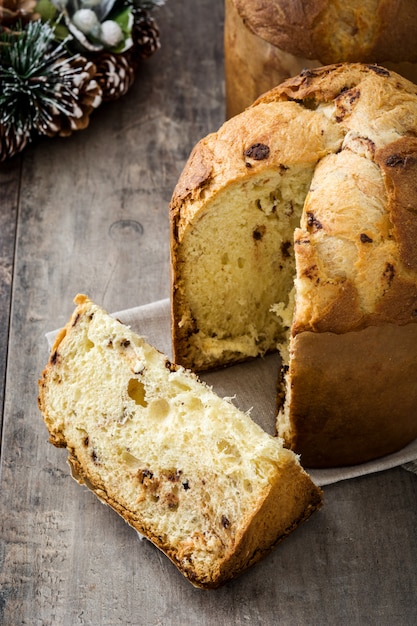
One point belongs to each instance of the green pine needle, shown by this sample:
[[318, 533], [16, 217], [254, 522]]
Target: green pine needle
[[35, 77]]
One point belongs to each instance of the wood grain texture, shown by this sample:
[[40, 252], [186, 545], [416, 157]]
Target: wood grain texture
[[9, 196], [92, 216]]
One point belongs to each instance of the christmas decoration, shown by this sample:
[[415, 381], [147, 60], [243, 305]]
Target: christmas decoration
[[115, 75], [12, 140], [13, 10], [60, 59], [145, 33]]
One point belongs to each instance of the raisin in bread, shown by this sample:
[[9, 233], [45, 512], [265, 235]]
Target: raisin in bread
[[184, 467], [268, 41], [295, 227]]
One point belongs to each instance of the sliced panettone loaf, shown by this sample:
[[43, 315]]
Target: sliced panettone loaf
[[184, 467], [295, 227]]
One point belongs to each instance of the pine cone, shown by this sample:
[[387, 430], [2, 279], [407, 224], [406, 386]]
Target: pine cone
[[12, 141], [115, 75], [12, 11], [145, 34], [73, 113]]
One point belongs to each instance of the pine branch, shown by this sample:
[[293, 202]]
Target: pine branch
[[35, 75]]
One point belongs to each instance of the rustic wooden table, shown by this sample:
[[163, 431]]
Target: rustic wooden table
[[89, 214]]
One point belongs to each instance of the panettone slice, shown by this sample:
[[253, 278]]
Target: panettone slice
[[184, 467]]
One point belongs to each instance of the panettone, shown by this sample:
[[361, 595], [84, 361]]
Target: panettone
[[186, 468], [295, 227], [268, 41]]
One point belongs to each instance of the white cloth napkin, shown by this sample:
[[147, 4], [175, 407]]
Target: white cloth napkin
[[252, 386]]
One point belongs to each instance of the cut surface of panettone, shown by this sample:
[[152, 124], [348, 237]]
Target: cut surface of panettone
[[185, 468], [298, 217]]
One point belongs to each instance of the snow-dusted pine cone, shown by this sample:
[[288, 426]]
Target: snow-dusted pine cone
[[145, 34], [12, 141], [80, 95], [115, 75]]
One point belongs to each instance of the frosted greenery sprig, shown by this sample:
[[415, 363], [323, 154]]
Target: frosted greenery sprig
[[95, 25], [35, 76]]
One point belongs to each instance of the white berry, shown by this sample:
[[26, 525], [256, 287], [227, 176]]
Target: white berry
[[85, 20], [111, 33]]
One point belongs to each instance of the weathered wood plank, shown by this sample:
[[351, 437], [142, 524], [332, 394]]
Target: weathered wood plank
[[9, 194], [93, 217]]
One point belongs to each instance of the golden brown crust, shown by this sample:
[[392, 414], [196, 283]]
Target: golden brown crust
[[398, 161], [289, 131], [259, 540], [252, 66], [264, 531], [285, 24], [337, 304], [197, 173], [309, 34], [329, 82], [334, 31], [354, 395]]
